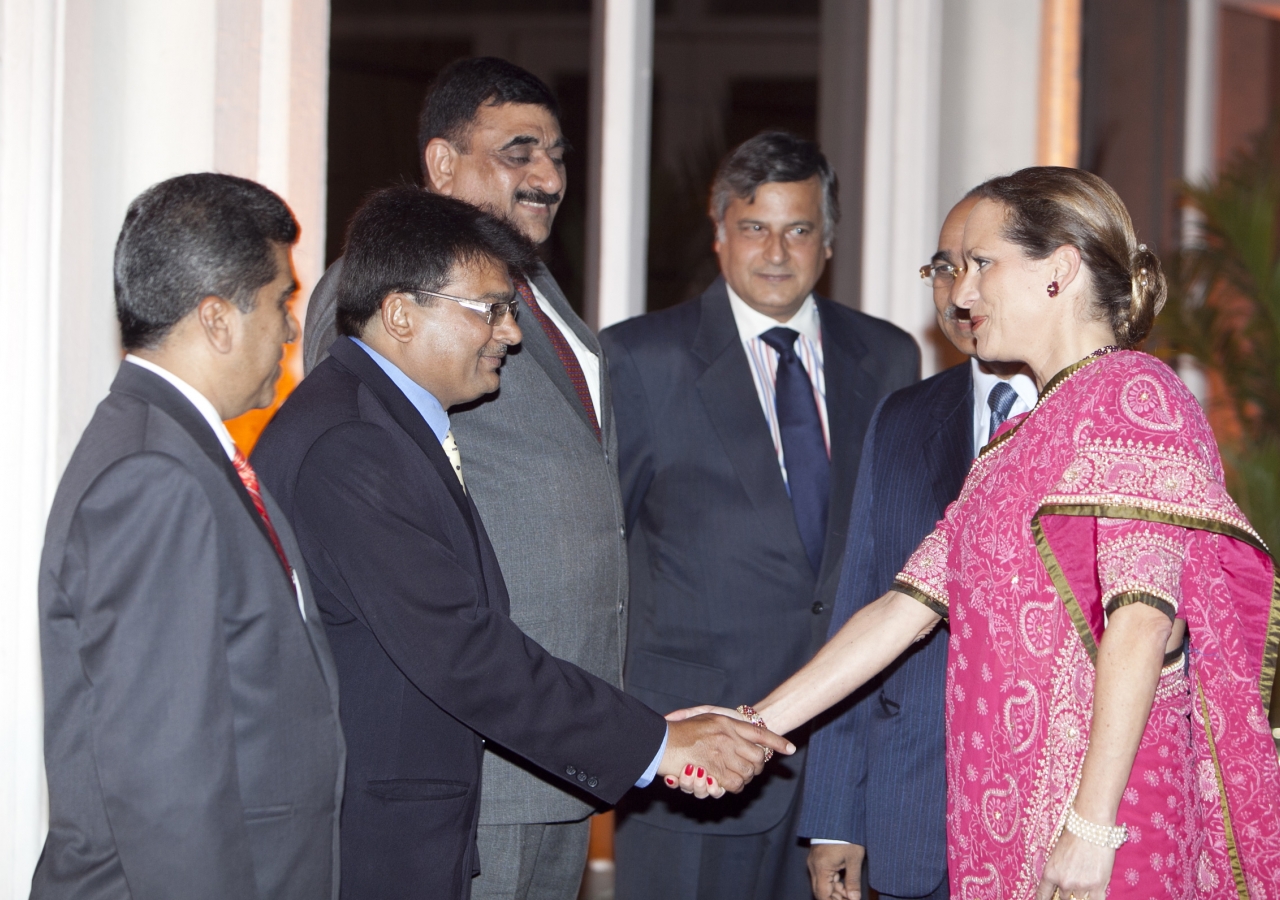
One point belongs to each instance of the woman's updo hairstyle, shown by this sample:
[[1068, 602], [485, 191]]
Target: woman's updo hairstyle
[[1049, 206]]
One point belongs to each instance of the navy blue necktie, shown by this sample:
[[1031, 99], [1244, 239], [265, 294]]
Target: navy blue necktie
[[1001, 400], [804, 450]]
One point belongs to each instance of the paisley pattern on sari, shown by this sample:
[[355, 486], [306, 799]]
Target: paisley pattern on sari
[[1110, 491]]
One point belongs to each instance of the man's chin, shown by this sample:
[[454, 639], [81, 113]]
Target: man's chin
[[533, 225]]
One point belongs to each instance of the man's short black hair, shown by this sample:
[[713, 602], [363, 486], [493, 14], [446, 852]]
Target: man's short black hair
[[405, 238], [465, 85], [770, 157], [189, 238]]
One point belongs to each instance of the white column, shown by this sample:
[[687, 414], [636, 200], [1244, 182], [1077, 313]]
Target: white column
[[842, 133], [618, 196], [1199, 117], [30, 89], [98, 100], [900, 197]]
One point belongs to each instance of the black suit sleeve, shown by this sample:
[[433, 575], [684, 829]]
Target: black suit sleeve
[[384, 550], [143, 552]]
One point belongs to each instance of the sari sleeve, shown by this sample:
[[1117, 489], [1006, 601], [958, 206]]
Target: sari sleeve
[[1141, 562], [924, 577]]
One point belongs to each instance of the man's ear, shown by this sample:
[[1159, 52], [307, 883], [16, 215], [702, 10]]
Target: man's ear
[[218, 320], [441, 159], [395, 318]]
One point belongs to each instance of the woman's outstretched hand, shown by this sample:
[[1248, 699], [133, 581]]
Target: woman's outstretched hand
[[1076, 868], [698, 780]]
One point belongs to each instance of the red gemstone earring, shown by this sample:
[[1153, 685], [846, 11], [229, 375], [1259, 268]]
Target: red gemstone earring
[[1053, 288]]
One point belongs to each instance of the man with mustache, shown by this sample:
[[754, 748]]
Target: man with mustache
[[876, 784]]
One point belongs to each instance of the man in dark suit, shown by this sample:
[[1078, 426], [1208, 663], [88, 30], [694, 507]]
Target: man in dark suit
[[542, 454], [740, 419], [191, 711], [365, 465], [876, 783]]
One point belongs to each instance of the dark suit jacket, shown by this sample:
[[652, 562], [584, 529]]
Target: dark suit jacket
[[547, 491], [191, 723], [724, 603], [876, 774], [429, 661]]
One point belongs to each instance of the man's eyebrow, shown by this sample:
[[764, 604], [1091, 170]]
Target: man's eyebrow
[[528, 140], [290, 290], [942, 256]]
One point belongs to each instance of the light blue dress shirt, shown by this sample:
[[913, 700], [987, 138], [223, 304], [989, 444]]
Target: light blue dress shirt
[[437, 420]]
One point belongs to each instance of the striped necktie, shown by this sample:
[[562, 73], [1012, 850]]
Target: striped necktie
[[1001, 400], [568, 358], [250, 480]]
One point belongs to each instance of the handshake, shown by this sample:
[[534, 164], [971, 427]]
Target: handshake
[[712, 750]]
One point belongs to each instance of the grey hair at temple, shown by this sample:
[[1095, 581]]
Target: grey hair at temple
[[775, 156]]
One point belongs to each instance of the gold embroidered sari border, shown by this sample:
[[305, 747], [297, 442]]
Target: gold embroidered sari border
[[1233, 852], [904, 584]]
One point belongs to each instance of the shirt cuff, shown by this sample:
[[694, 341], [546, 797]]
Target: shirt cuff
[[647, 778], [825, 841]]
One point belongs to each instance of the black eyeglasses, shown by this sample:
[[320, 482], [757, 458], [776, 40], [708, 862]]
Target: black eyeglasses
[[940, 274], [492, 312]]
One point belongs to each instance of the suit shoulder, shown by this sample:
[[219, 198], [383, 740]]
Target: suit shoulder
[[876, 331], [924, 394], [675, 325]]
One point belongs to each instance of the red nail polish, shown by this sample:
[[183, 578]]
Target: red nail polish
[[710, 781], [688, 770], [701, 771], [671, 782]]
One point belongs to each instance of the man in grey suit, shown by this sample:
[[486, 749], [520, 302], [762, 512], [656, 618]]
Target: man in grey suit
[[192, 741], [540, 454]]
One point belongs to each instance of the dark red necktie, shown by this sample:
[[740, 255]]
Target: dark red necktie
[[250, 479], [568, 358]]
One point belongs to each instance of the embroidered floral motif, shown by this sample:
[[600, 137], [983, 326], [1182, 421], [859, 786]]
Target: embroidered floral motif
[[1146, 403], [1140, 558]]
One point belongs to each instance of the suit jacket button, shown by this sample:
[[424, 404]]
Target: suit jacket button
[[818, 607], [592, 782], [570, 770], [582, 776]]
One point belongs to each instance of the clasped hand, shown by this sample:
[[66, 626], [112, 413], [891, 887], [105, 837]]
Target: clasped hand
[[712, 750]]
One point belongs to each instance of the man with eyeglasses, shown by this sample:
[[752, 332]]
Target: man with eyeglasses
[[430, 665], [876, 782], [541, 453]]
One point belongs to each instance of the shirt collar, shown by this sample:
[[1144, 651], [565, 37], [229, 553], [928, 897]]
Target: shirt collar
[[422, 399], [752, 324], [197, 399], [983, 382]]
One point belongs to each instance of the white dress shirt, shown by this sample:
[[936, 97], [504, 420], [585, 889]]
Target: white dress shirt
[[589, 362], [764, 361], [206, 409], [983, 382]]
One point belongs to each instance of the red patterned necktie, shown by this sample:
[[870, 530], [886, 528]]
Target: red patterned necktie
[[250, 479], [568, 358]]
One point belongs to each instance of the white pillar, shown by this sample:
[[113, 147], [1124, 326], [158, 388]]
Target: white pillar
[[1199, 116], [618, 195], [98, 100], [842, 132], [30, 61], [900, 198]]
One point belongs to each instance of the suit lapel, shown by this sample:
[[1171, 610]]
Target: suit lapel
[[407, 417], [151, 388], [728, 393], [538, 345], [851, 401], [948, 449]]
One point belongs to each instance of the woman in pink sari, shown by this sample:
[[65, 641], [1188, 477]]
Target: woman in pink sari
[[1114, 619]]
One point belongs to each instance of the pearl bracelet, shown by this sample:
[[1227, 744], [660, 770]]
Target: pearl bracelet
[[757, 720], [1110, 836]]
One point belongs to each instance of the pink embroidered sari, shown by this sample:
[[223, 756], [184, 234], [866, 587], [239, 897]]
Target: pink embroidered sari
[[1109, 492]]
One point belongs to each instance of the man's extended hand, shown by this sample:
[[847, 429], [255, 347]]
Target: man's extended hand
[[835, 871], [710, 754]]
